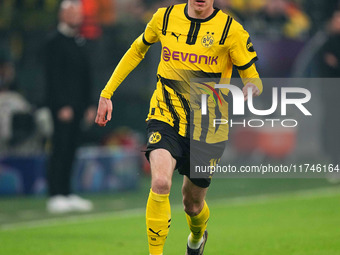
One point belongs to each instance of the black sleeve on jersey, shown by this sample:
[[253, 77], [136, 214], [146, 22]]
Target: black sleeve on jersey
[[246, 66], [146, 42]]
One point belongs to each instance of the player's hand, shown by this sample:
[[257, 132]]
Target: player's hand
[[104, 111], [256, 91]]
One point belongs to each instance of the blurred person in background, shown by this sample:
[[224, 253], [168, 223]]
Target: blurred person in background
[[68, 82], [16, 119], [279, 18], [330, 52], [329, 67], [319, 12]]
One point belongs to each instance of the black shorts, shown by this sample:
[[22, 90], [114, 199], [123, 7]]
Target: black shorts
[[162, 136]]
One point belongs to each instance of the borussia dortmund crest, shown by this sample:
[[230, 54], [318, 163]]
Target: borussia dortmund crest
[[155, 137], [208, 40]]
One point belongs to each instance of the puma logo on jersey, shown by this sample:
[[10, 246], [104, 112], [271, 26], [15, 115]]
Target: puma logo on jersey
[[177, 36]]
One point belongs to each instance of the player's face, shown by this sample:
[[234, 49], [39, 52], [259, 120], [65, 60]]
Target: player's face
[[201, 6]]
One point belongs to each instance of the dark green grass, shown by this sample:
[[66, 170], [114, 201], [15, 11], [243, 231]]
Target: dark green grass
[[307, 224]]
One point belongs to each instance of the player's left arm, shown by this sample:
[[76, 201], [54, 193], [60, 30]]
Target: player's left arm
[[251, 79], [243, 57]]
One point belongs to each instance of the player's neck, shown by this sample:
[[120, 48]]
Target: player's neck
[[199, 14]]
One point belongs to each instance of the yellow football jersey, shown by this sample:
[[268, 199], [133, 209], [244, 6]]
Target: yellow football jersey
[[191, 49]]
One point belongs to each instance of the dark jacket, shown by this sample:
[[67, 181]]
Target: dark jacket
[[67, 72]]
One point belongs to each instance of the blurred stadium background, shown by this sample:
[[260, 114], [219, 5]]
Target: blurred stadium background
[[111, 170]]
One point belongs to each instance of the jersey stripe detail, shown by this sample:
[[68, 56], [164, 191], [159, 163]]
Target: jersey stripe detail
[[193, 32], [174, 114], [226, 30], [186, 106], [179, 110], [218, 115], [201, 74], [173, 84], [179, 85], [246, 66], [160, 109], [161, 95], [146, 42], [166, 19]]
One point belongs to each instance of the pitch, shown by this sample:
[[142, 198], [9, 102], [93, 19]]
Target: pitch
[[296, 223]]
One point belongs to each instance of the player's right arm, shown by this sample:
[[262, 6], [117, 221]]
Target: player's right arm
[[130, 61]]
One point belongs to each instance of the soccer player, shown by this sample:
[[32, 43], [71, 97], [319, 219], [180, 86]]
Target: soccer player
[[198, 41]]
